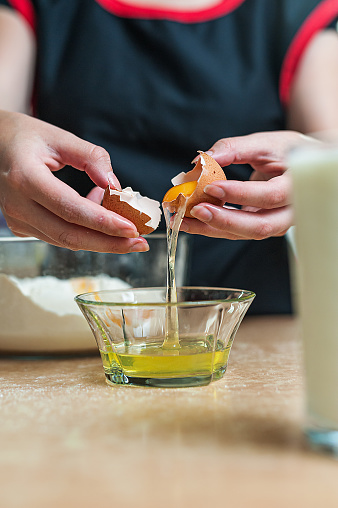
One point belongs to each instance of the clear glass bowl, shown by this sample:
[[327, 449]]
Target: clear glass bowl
[[143, 340]]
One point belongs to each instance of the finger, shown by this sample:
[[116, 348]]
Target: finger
[[260, 148], [71, 150], [270, 194], [63, 201], [96, 195], [46, 226], [25, 231], [196, 227], [255, 225]]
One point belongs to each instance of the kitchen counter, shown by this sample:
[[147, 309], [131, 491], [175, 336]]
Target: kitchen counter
[[69, 440]]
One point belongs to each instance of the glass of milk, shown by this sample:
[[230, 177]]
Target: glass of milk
[[314, 171]]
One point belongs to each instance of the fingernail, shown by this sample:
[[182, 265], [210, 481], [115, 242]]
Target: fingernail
[[113, 181], [209, 152], [128, 233], [201, 213], [125, 228], [214, 191], [139, 246]]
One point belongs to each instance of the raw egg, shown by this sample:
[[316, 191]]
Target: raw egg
[[144, 212], [191, 185]]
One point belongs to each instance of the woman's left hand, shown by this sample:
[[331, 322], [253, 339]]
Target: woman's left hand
[[264, 199]]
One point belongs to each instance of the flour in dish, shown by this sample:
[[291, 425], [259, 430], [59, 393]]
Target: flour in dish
[[39, 314]]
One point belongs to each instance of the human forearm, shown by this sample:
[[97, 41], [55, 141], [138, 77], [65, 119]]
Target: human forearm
[[17, 62], [313, 105]]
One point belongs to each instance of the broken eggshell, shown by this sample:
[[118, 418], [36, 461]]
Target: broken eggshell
[[144, 212], [206, 171]]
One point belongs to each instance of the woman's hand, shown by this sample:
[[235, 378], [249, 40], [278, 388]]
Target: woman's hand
[[35, 203], [264, 199]]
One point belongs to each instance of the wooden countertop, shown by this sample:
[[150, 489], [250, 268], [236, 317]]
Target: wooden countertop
[[69, 440]]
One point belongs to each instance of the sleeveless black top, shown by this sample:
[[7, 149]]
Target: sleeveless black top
[[152, 86]]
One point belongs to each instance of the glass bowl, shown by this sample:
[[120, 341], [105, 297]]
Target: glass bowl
[[38, 283], [143, 340]]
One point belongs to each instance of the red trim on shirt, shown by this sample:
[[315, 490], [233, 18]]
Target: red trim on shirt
[[26, 9], [121, 9], [319, 18]]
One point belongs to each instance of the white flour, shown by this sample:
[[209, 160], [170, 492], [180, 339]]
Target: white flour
[[39, 314]]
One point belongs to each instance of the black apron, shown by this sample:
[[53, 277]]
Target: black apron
[[153, 89]]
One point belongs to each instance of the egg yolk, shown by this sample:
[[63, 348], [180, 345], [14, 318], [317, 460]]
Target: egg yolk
[[186, 189]]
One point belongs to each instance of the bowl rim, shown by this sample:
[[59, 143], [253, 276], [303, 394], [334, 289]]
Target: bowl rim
[[245, 296]]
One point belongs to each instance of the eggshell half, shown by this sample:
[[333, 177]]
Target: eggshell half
[[206, 171], [144, 212]]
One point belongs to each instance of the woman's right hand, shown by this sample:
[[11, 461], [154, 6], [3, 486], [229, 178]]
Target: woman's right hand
[[36, 203]]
